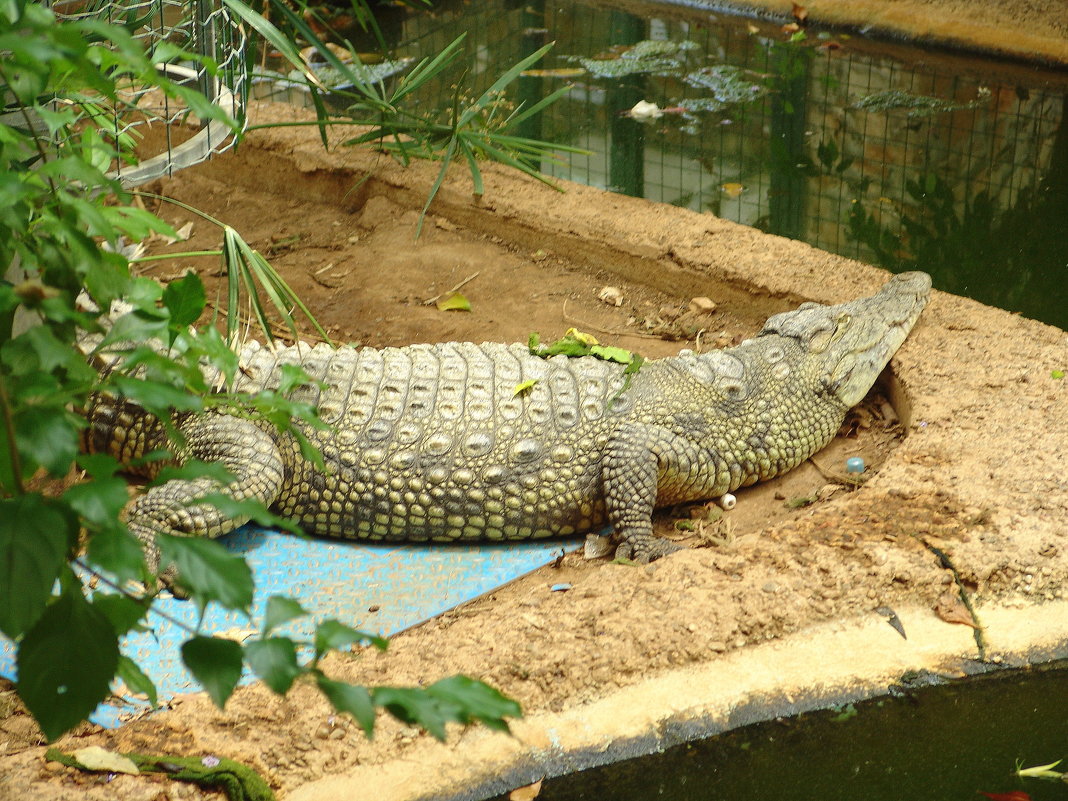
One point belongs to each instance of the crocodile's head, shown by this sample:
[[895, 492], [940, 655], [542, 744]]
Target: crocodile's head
[[849, 344]]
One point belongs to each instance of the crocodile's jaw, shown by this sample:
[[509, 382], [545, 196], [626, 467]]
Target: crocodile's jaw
[[849, 344]]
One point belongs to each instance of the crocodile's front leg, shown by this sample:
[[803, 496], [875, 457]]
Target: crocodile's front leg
[[637, 458], [243, 448]]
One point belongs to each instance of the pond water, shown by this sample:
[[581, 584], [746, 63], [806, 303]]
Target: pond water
[[897, 156], [943, 743]]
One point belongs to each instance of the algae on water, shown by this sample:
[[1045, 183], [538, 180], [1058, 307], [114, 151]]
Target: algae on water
[[728, 85], [648, 57], [917, 105], [368, 73]]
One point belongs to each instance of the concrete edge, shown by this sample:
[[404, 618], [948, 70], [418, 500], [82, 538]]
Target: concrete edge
[[870, 660], [990, 32]]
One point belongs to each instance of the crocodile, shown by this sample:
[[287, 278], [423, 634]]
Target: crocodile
[[462, 441]]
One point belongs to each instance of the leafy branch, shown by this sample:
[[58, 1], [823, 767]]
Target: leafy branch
[[63, 222]]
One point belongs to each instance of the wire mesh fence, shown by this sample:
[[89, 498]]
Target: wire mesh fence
[[201, 27]]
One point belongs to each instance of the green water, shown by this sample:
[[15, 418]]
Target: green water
[[893, 155], [934, 744]]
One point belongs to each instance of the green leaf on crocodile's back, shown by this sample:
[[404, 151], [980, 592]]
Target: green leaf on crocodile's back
[[454, 302], [572, 344], [1057, 374], [575, 344], [215, 663], [524, 386], [612, 354], [581, 336]]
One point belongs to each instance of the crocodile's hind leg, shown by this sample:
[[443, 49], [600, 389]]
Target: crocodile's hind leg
[[243, 448], [635, 458]]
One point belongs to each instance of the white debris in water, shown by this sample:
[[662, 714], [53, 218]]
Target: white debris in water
[[644, 110]]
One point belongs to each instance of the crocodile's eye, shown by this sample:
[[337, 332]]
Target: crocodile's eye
[[820, 335]]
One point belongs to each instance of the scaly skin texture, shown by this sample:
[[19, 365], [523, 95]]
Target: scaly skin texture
[[432, 443]]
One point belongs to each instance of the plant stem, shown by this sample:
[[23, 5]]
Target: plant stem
[[9, 430]]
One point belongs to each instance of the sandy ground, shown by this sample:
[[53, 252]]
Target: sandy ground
[[776, 607]]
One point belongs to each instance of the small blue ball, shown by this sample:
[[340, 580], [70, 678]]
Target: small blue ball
[[855, 464]]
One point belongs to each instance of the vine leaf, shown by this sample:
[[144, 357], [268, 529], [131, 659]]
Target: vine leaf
[[208, 570], [280, 610], [350, 698], [65, 663], [136, 680], [215, 663], [474, 700], [275, 661], [184, 299], [456, 699], [33, 542], [332, 634]]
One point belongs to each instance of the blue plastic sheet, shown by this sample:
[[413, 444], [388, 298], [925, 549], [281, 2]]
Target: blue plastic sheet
[[404, 584]]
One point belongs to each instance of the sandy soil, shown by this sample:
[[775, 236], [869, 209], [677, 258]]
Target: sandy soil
[[964, 435]]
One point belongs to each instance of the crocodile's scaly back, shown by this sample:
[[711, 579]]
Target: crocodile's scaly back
[[464, 441], [435, 442]]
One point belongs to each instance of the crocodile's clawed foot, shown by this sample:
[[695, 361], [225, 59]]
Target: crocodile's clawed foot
[[647, 549]]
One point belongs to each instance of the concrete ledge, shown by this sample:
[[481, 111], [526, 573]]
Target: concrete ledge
[[1008, 29], [833, 663]]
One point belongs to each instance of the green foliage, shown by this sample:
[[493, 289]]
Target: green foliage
[[66, 661], [392, 118], [457, 699], [575, 344], [35, 537], [215, 663], [63, 222]]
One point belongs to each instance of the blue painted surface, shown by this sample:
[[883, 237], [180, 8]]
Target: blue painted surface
[[404, 583]]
